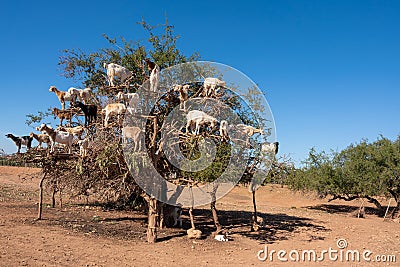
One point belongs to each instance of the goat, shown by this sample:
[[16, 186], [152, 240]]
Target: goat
[[132, 132], [150, 64], [78, 130], [129, 99], [269, 151], [210, 85], [270, 147], [193, 233], [154, 78], [90, 112], [21, 141], [63, 114], [63, 96], [82, 94], [223, 129], [222, 238], [177, 216], [83, 147], [113, 108], [172, 215], [41, 138], [249, 130], [115, 70], [183, 94], [57, 136], [199, 118]]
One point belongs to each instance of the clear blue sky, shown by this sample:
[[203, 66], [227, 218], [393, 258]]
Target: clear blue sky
[[330, 69]]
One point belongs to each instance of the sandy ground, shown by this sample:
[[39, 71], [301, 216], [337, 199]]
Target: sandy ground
[[88, 235]]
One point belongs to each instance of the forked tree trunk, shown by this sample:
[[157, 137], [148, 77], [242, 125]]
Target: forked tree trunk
[[39, 217]]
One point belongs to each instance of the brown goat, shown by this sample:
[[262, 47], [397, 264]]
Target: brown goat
[[63, 114]]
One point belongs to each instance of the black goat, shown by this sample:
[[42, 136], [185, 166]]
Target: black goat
[[19, 141], [90, 112]]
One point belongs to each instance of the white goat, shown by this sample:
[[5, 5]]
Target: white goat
[[132, 132], [83, 147], [198, 118], [129, 99], [210, 85], [183, 94], [249, 130], [82, 94], [154, 78], [115, 70], [271, 148], [223, 129], [57, 136], [113, 109], [77, 130]]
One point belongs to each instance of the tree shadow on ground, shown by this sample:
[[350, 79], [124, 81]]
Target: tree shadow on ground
[[277, 226], [343, 209], [118, 225]]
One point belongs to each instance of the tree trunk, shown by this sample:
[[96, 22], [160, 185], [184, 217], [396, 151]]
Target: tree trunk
[[39, 217], [381, 210], [191, 217], [395, 210], [254, 219], [53, 198], [396, 197], [214, 210], [152, 220], [61, 200], [162, 217], [215, 217]]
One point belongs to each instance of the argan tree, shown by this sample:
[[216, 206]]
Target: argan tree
[[117, 172], [363, 170]]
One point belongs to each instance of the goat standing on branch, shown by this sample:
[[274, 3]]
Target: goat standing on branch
[[21, 141], [183, 95], [132, 132], [41, 138], [63, 114], [154, 71], [63, 96], [223, 130], [57, 136], [115, 70], [249, 130], [154, 78], [197, 118], [113, 109], [82, 94], [83, 147], [129, 99], [90, 112], [210, 86], [77, 131]]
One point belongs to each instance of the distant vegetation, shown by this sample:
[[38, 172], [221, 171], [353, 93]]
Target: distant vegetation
[[361, 171]]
